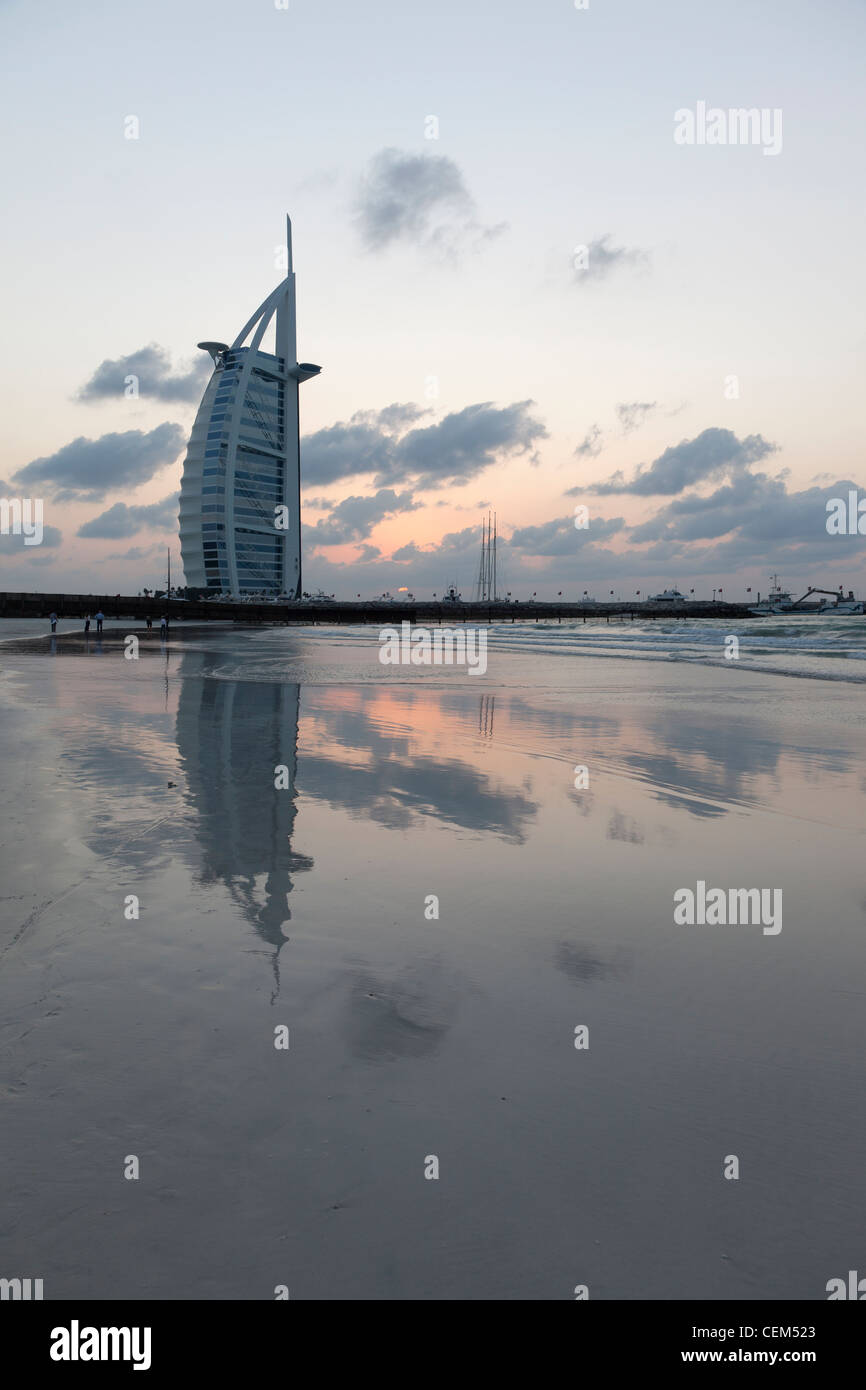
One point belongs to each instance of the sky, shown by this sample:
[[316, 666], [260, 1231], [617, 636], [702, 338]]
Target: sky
[[538, 272]]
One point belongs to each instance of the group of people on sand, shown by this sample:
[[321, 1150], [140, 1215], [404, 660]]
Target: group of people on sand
[[99, 619]]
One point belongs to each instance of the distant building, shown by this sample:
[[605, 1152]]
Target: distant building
[[240, 497]]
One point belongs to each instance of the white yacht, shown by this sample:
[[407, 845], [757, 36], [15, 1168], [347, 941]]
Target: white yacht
[[667, 596]]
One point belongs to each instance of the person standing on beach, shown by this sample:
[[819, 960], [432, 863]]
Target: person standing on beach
[[163, 626], [53, 620], [148, 622], [87, 625], [99, 617]]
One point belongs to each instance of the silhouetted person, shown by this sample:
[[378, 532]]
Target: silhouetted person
[[99, 617], [87, 625], [163, 626], [149, 622], [53, 620]]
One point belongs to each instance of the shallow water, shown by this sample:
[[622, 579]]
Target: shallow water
[[413, 1036], [818, 647]]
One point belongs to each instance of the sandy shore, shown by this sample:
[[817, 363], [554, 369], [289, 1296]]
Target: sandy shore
[[413, 1036]]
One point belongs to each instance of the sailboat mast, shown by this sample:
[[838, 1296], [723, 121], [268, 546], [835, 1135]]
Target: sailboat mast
[[487, 565]]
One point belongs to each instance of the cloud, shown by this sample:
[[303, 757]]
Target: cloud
[[86, 470], [691, 461], [758, 510], [355, 517], [735, 529], [14, 545], [631, 414], [591, 445], [368, 553], [463, 444], [126, 520], [419, 199], [453, 450], [561, 537], [453, 547], [156, 379], [601, 258], [363, 444], [137, 553], [396, 418]]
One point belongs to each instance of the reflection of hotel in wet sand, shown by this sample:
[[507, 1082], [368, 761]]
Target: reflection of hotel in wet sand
[[231, 736]]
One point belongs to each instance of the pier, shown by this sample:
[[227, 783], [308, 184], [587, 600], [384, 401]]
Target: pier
[[340, 612]]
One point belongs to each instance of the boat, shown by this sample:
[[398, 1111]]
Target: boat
[[844, 605], [778, 601], [667, 596]]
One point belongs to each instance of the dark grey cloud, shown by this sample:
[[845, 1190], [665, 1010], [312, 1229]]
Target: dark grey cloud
[[396, 418], [354, 518], [364, 444], [758, 513], [591, 445], [86, 470], [407, 552], [602, 258], [452, 450], [156, 379], [631, 414], [368, 553], [746, 519], [137, 553], [420, 199], [710, 453], [14, 545], [787, 528], [127, 520], [463, 444], [453, 548], [561, 537]]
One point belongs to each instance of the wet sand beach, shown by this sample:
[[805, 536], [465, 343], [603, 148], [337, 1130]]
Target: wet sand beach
[[413, 1036]]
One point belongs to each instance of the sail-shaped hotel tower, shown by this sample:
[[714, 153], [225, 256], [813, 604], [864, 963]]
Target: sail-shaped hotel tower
[[240, 498]]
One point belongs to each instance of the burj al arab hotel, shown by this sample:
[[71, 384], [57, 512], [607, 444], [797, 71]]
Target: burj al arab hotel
[[240, 497]]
